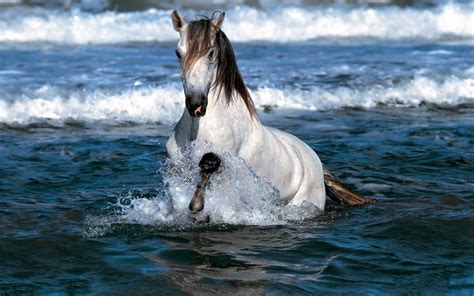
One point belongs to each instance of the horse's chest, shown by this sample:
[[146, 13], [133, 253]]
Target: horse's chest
[[216, 133], [212, 132]]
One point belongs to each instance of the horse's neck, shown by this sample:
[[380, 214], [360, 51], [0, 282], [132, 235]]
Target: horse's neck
[[225, 125]]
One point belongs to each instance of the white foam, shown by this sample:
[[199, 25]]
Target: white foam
[[298, 24], [280, 24], [162, 104], [452, 91], [20, 24], [235, 195], [165, 104]]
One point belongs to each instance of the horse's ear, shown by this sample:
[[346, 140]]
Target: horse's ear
[[219, 20], [178, 21]]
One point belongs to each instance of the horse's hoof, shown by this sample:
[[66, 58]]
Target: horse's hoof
[[196, 205]]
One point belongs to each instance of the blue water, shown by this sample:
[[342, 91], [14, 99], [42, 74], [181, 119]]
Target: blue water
[[83, 127]]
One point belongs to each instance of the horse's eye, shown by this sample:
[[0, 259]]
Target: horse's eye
[[178, 55], [211, 54]]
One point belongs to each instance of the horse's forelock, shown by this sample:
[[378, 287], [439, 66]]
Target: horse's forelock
[[198, 41]]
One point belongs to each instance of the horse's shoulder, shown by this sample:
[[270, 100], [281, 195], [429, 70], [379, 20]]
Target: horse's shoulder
[[282, 136]]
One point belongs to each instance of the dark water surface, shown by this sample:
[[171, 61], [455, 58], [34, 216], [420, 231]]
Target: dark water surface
[[418, 237], [88, 100]]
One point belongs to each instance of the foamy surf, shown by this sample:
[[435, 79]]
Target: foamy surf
[[450, 22], [235, 195], [165, 104], [450, 92]]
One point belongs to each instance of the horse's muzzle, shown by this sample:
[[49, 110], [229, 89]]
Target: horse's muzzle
[[196, 105]]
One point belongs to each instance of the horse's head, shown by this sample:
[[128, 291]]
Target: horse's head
[[197, 53]]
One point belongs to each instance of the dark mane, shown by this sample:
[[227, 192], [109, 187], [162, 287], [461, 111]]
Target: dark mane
[[228, 78]]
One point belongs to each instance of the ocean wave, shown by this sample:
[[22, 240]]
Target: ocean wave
[[450, 92], [452, 21], [165, 104]]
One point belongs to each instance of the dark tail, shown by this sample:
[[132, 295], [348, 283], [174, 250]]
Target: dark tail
[[340, 193]]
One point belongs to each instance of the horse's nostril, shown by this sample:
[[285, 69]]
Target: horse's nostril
[[197, 111]]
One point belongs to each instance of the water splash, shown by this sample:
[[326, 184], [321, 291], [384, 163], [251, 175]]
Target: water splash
[[234, 196]]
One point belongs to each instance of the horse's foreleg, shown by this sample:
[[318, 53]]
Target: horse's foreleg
[[209, 163]]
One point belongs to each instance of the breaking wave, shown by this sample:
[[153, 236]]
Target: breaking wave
[[165, 103], [448, 22]]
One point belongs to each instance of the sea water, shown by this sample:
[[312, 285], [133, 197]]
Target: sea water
[[90, 204]]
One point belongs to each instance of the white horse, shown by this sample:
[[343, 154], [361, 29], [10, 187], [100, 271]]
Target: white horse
[[220, 111]]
